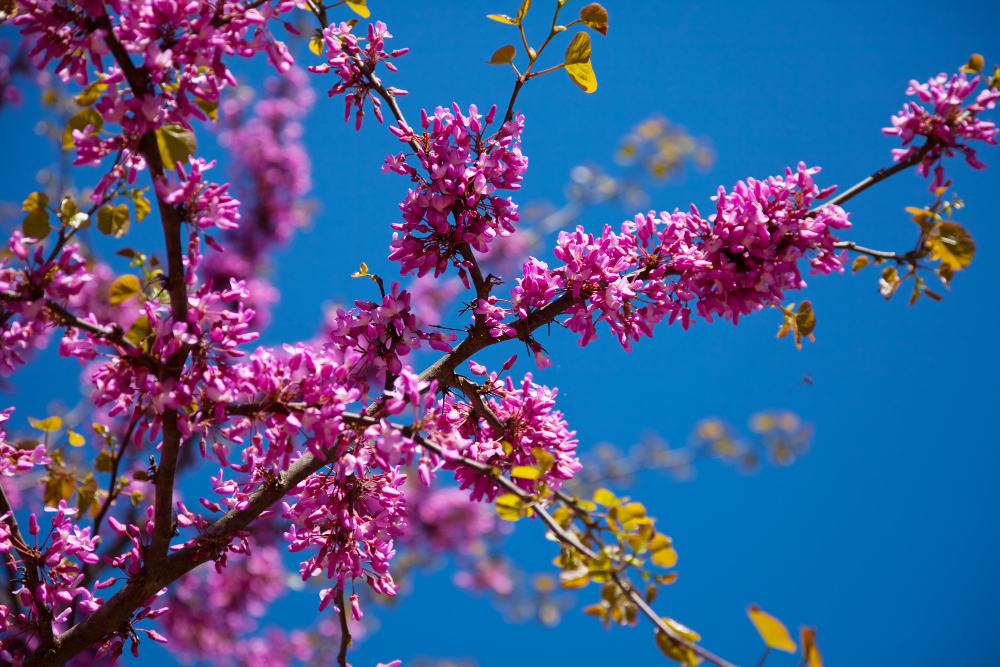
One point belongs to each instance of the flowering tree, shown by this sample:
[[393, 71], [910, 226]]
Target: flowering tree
[[311, 444]]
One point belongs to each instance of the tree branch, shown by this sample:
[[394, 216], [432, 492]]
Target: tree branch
[[47, 639]]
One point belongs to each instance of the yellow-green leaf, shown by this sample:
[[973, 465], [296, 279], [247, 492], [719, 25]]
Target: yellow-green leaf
[[79, 121], [576, 577], [176, 143], [604, 497], [36, 224], [48, 425], [683, 630], [810, 652], [975, 64], [316, 44], [142, 206], [502, 18], [578, 51], [124, 288], [583, 76], [772, 631], [545, 460], [525, 472], [90, 94], [661, 548], [113, 220], [210, 107], [136, 497], [85, 494], [805, 319], [509, 506], [953, 244], [75, 438], [889, 281], [596, 17], [503, 55], [139, 330], [35, 200], [674, 649], [522, 11], [104, 461], [359, 7]]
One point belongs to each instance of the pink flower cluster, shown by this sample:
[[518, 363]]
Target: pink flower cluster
[[455, 203], [373, 337], [948, 125], [356, 66], [204, 204], [17, 460], [25, 318], [732, 263], [530, 422], [349, 517], [175, 48], [60, 586]]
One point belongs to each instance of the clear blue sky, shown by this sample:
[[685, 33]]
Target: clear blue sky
[[884, 536]]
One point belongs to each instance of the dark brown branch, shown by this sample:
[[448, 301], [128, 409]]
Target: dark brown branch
[[345, 632], [33, 581], [878, 176], [172, 222], [472, 391], [113, 334]]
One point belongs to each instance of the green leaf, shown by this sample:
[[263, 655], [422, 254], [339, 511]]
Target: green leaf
[[503, 55], [509, 506], [124, 288], [359, 8], [522, 11], [36, 224], [48, 425], [91, 93], [596, 17], [952, 244], [502, 18], [176, 144], [79, 121], [139, 331], [113, 220]]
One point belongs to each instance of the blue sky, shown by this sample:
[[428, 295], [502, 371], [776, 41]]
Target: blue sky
[[884, 535]]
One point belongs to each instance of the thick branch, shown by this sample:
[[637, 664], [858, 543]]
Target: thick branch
[[171, 220]]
